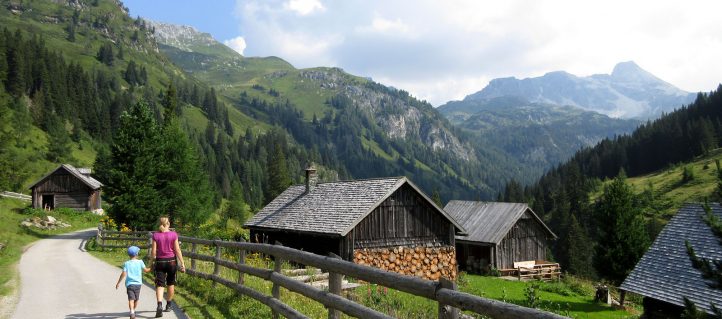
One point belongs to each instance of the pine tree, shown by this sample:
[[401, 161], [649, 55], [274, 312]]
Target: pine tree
[[58, 141], [105, 54], [579, 250], [185, 190], [131, 73], [237, 208], [278, 179], [170, 103], [622, 234], [130, 171]]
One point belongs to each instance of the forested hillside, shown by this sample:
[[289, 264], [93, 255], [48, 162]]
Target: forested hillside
[[564, 195], [70, 69], [539, 135]]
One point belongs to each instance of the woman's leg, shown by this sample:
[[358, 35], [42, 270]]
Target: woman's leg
[[171, 292], [159, 293]]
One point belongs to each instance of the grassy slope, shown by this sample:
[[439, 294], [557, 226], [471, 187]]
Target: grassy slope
[[668, 187]]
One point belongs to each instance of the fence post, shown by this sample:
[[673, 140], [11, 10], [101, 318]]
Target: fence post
[[150, 243], [216, 268], [276, 289], [99, 234], [335, 285], [102, 240], [194, 249], [446, 311], [241, 261]]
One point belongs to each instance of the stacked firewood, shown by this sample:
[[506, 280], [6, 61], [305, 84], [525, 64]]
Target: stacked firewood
[[426, 262]]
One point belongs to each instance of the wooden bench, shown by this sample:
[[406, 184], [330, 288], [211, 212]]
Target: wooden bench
[[533, 269]]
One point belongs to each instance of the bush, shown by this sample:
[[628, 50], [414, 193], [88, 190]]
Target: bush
[[687, 174], [530, 293]]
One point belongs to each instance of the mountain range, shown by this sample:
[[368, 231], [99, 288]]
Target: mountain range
[[628, 92]]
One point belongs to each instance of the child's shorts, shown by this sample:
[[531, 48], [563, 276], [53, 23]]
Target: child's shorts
[[133, 292]]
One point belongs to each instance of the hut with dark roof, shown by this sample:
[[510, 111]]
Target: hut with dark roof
[[498, 234], [362, 221], [665, 275], [68, 187]]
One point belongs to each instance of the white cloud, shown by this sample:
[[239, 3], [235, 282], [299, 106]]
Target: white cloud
[[382, 25], [238, 44], [435, 50], [303, 7]]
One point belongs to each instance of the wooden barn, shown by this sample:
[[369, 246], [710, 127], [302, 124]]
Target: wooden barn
[[367, 221], [665, 275], [69, 187], [499, 234]]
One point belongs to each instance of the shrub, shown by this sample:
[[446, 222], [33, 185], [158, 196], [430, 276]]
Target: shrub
[[530, 293]]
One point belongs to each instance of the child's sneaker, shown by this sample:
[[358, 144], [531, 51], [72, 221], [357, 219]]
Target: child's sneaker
[[167, 306]]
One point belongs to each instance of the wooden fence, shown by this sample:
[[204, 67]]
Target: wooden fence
[[16, 196], [444, 292]]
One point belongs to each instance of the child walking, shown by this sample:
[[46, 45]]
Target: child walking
[[133, 274]]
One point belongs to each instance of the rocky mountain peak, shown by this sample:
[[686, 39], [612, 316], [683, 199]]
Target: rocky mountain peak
[[631, 72], [628, 92], [181, 36]]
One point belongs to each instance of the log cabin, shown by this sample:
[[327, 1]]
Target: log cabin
[[68, 187], [385, 222], [499, 234]]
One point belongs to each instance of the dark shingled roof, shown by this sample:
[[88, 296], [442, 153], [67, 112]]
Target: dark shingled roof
[[665, 272], [332, 208], [86, 179], [488, 222]]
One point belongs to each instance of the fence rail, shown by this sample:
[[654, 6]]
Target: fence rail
[[16, 196], [444, 292]]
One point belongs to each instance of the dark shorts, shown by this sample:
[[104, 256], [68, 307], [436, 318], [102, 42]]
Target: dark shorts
[[165, 269], [133, 292]]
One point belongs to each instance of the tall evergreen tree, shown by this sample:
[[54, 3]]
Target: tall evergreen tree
[[130, 171], [580, 250], [278, 178], [622, 234]]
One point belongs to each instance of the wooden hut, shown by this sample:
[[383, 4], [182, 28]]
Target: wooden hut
[[379, 222], [69, 187], [665, 275], [499, 234]]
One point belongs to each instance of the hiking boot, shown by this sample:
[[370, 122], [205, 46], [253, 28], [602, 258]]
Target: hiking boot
[[159, 312], [132, 316], [167, 306]]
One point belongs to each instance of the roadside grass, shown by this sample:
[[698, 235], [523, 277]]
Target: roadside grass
[[16, 237]]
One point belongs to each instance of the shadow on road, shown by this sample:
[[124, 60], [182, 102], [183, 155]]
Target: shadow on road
[[108, 315]]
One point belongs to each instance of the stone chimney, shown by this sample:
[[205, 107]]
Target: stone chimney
[[311, 177]]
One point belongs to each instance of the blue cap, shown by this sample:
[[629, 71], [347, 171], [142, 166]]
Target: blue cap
[[133, 251]]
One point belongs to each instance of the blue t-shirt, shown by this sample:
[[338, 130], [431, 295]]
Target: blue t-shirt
[[134, 272]]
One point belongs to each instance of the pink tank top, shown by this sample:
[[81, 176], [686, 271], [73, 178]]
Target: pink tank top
[[164, 244]]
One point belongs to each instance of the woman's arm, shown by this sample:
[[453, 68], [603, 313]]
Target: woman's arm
[[179, 255]]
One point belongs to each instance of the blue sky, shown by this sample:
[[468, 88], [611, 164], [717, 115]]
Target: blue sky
[[444, 50]]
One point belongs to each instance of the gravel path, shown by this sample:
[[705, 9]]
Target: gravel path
[[59, 279]]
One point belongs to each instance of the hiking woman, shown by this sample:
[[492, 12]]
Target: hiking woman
[[166, 254]]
